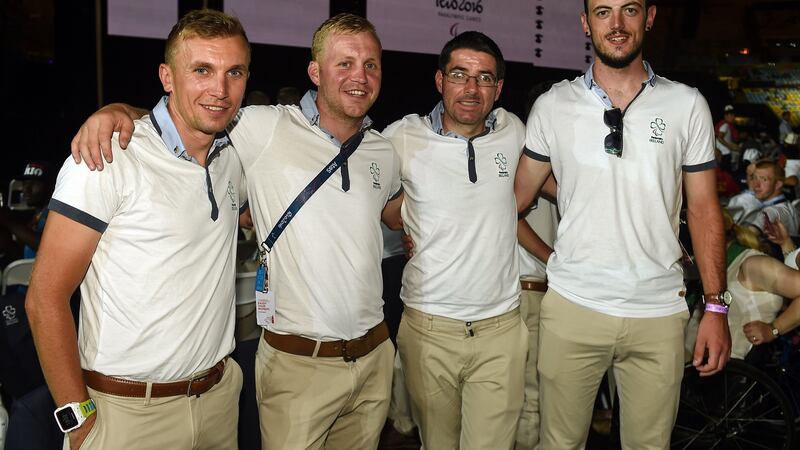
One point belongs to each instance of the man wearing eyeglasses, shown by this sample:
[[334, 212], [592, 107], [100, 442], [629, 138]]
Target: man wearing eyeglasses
[[461, 340], [622, 142]]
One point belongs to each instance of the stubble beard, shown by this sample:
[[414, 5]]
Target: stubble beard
[[617, 62]]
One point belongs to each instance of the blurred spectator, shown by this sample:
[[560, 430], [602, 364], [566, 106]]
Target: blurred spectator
[[727, 138], [288, 95], [767, 186], [792, 166], [742, 204], [785, 127], [22, 231], [257, 98]]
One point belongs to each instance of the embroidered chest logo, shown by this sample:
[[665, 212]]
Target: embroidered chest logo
[[502, 165], [658, 127], [10, 314], [232, 196], [375, 171]]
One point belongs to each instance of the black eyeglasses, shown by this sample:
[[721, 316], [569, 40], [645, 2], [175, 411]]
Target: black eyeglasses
[[459, 77], [613, 142]]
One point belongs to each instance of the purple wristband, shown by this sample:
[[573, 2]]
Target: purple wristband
[[713, 307]]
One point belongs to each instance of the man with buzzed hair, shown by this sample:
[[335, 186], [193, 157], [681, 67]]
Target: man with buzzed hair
[[767, 184], [622, 144], [324, 365], [152, 243]]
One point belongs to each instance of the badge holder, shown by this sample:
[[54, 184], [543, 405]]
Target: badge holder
[[265, 298]]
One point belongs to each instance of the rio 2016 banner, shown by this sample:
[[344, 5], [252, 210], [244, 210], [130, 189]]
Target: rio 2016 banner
[[546, 33]]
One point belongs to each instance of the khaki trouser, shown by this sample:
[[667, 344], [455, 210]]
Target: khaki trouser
[[528, 428], [311, 403], [465, 380], [577, 346], [176, 423]]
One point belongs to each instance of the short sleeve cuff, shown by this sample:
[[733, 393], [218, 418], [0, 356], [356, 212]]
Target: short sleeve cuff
[[77, 215], [700, 167], [533, 155]]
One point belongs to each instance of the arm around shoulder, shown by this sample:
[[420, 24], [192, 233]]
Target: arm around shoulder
[[92, 143]]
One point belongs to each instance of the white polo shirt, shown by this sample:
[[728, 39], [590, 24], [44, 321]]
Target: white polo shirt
[[776, 209], [617, 247], [726, 129], [742, 205], [158, 297], [325, 269], [465, 263]]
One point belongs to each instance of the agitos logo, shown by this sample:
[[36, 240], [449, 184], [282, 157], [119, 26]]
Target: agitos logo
[[473, 6]]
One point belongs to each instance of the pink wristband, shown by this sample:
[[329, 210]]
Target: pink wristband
[[713, 307]]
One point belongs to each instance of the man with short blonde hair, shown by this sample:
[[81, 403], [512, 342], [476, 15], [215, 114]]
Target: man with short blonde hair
[[324, 365]]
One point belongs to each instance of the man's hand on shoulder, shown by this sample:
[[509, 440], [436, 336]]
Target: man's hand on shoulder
[[713, 339], [92, 144]]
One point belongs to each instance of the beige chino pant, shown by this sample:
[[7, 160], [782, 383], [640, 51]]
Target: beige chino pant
[[207, 422], [465, 379], [312, 403], [577, 346], [528, 428]]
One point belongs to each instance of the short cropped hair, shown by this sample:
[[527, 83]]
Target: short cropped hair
[[473, 40], [204, 23], [780, 174], [344, 23]]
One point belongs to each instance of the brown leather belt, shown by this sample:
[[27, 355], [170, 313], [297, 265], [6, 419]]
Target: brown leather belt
[[348, 350], [533, 285], [198, 384]]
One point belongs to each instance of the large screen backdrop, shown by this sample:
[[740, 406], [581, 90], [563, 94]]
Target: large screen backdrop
[[277, 22], [546, 33]]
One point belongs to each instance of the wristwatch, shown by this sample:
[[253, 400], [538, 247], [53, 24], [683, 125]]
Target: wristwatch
[[72, 415], [723, 298], [775, 331]]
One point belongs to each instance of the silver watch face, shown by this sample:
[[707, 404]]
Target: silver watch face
[[726, 298]]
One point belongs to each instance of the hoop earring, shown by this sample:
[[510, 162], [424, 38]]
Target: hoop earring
[[647, 28]]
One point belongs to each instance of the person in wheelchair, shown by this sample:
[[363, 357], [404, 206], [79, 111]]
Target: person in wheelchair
[[759, 283]]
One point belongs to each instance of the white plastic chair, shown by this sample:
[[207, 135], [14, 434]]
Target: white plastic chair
[[17, 273]]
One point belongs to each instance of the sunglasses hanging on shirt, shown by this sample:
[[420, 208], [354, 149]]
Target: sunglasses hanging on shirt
[[613, 141]]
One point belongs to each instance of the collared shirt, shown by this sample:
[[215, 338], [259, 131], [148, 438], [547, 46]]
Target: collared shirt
[[165, 126], [308, 106], [588, 78], [325, 269], [630, 205], [437, 123], [158, 299], [472, 274], [172, 139]]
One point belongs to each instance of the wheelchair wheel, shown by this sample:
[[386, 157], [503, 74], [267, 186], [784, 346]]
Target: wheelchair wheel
[[739, 408]]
